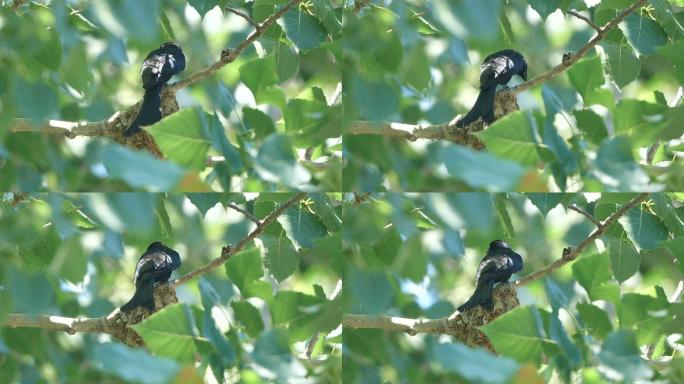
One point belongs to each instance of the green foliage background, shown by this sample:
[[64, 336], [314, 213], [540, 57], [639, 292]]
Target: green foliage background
[[74, 255], [591, 321], [80, 61], [587, 129]]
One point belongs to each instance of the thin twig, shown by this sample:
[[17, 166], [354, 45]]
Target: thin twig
[[586, 19], [244, 212], [586, 214], [244, 16], [229, 251], [570, 254]]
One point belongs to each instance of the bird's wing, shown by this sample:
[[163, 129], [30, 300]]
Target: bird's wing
[[143, 267], [152, 70], [493, 264], [493, 69]]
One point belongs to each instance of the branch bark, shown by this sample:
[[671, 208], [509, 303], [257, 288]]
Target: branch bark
[[450, 132], [115, 125], [69, 325], [229, 251], [570, 254]]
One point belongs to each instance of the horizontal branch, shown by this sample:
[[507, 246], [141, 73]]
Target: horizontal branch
[[393, 323], [570, 254], [229, 251], [69, 325]]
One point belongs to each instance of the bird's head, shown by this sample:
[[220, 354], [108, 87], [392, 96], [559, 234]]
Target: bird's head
[[497, 245], [154, 245], [523, 73]]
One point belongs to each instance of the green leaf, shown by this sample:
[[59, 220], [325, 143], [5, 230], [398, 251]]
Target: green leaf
[[545, 7], [258, 75], [258, 121], [675, 246], [390, 54], [204, 201], [75, 70], [122, 212], [616, 168], [464, 210], [304, 30], [477, 17], [375, 100], [272, 353], [623, 64], [282, 259], [34, 100], [643, 228], [548, 201], [140, 169], [31, 294], [502, 213], [636, 309], [133, 364], [219, 141], [586, 75], [673, 52], [517, 334], [643, 33], [359, 283], [39, 255], [593, 274], [412, 260], [642, 122], [302, 227], [287, 62], [624, 258], [168, 333], [416, 69], [511, 138], [249, 317], [70, 260], [619, 359], [591, 124], [667, 213], [276, 162], [596, 319], [324, 209], [481, 169], [474, 364], [245, 267], [181, 137]]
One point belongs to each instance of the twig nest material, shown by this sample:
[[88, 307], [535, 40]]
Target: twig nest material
[[464, 326]]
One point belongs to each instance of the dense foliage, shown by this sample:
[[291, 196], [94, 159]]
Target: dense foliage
[[250, 319], [607, 316], [589, 128], [80, 61]]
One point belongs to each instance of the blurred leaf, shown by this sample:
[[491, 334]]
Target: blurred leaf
[[70, 261], [140, 169], [75, 70], [504, 217], [545, 7], [272, 353], [620, 359], [517, 334], [133, 364], [130, 18], [220, 142], [39, 255], [181, 137], [640, 121], [666, 212], [122, 212], [416, 69], [463, 210], [412, 260], [276, 162], [287, 62], [258, 75], [359, 283], [31, 294], [34, 100], [282, 258], [245, 267], [616, 168], [249, 317], [624, 258], [375, 100], [167, 333], [258, 121], [324, 209], [390, 55], [624, 65], [476, 18], [511, 138], [204, 6], [480, 169], [591, 124], [597, 319], [475, 365], [673, 53], [593, 274]]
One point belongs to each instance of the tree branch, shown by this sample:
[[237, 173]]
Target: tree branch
[[229, 251], [569, 60], [586, 19], [393, 323], [570, 254], [69, 325], [586, 214], [245, 212], [111, 127], [244, 16]]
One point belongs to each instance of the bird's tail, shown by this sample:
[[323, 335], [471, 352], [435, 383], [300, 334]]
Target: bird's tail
[[144, 296], [483, 107], [149, 112], [481, 296]]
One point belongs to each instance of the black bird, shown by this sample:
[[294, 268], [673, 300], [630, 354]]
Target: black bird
[[154, 266], [157, 69], [496, 267], [497, 69]]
